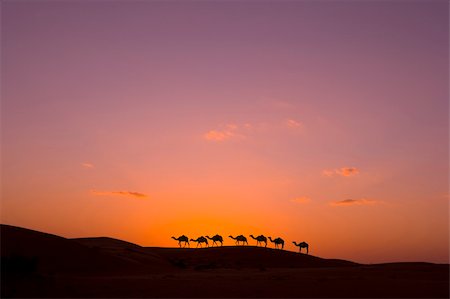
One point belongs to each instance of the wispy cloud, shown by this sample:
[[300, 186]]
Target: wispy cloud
[[344, 171], [228, 131], [87, 165], [243, 130], [355, 202], [215, 135], [119, 193], [301, 200], [347, 171], [293, 124]]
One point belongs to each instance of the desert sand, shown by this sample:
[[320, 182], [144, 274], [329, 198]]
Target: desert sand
[[36, 264]]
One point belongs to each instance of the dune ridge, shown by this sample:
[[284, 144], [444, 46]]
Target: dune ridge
[[36, 264]]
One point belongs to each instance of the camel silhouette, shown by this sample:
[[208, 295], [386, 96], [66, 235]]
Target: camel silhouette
[[239, 238], [260, 239], [184, 239], [302, 245], [278, 242], [200, 240], [216, 238]]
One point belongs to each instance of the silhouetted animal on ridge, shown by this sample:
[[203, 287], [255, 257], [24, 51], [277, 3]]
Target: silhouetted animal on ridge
[[302, 245], [216, 238], [200, 240], [239, 238], [260, 239], [184, 239], [278, 242]]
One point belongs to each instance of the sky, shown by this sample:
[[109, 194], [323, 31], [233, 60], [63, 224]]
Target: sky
[[317, 121]]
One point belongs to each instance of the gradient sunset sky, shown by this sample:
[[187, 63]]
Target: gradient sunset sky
[[317, 121]]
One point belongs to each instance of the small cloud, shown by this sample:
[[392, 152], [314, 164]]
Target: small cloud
[[214, 135], [87, 165], [291, 123], [344, 171], [243, 130], [220, 135], [347, 171], [301, 200], [355, 202], [119, 193]]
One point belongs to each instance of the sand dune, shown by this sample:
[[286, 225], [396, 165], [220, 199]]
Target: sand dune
[[54, 254], [36, 264], [234, 257], [238, 257]]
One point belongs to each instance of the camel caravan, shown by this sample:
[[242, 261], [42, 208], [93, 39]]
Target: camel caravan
[[261, 240]]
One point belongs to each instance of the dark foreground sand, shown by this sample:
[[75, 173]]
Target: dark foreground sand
[[35, 264]]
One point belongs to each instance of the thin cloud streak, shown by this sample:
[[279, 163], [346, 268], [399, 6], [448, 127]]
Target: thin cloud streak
[[215, 135], [293, 124], [242, 131], [355, 202], [228, 132], [343, 171], [87, 165], [119, 193]]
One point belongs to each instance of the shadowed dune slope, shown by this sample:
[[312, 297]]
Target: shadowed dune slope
[[125, 251], [110, 268], [234, 257], [54, 254], [243, 257], [103, 254], [105, 242]]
